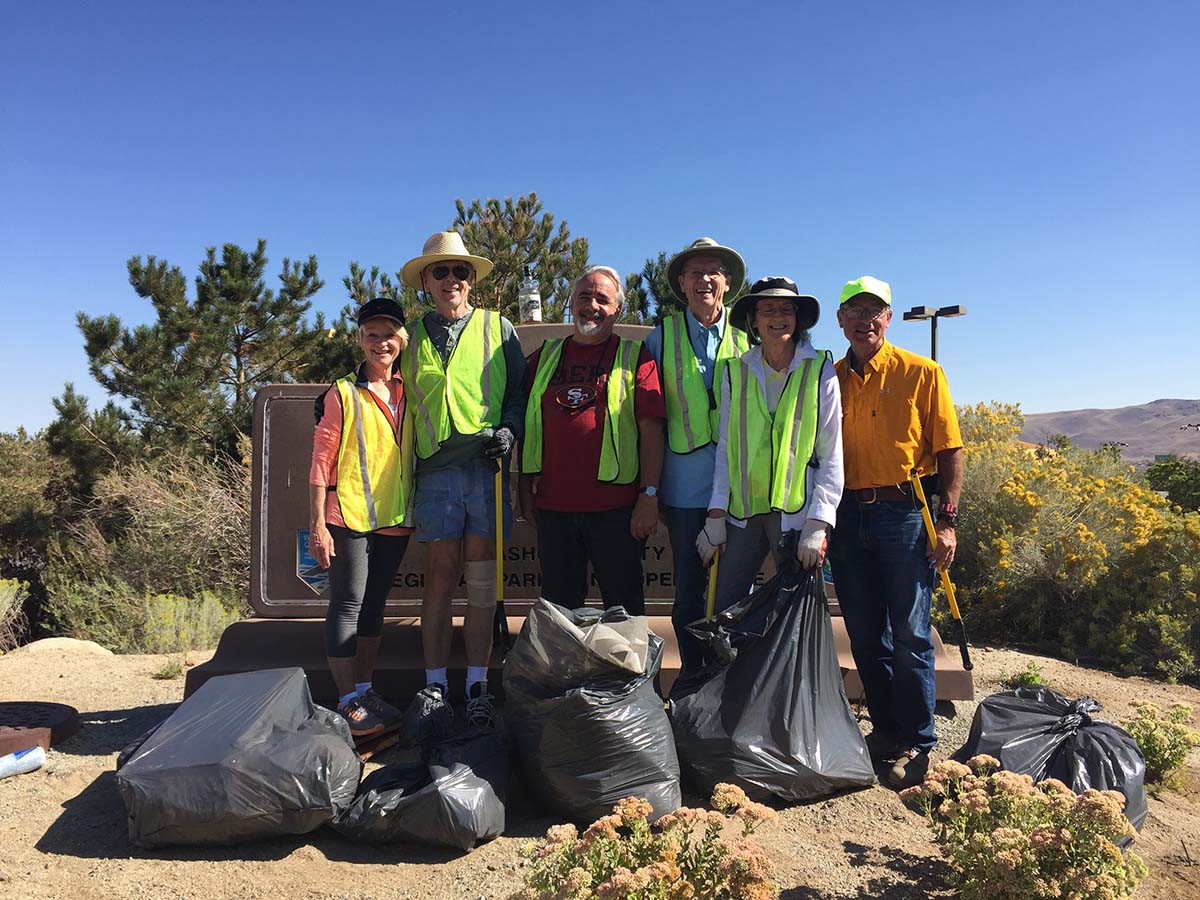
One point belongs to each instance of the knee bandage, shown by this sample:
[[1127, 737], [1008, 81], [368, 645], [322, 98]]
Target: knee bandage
[[481, 583]]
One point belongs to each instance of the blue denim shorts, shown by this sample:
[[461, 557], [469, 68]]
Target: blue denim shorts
[[460, 500]]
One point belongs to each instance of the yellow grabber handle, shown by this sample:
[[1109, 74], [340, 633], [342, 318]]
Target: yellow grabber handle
[[501, 625], [710, 605], [947, 585]]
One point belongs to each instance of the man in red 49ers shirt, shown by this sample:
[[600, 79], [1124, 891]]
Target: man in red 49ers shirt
[[592, 453]]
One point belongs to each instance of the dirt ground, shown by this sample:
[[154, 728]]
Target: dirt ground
[[62, 829]]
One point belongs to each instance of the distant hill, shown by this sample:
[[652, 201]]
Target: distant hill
[[1146, 430]]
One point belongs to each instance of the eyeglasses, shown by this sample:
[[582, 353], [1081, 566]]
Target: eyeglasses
[[870, 313], [712, 272], [461, 272], [772, 310]]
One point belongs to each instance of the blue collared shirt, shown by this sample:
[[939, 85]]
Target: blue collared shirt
[[687, 478]]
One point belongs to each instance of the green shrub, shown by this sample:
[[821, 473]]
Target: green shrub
[[175, 623], [1164, 739], [116, 616], [170, 670], [1009, 839], [1032, 675], [684, 854], [108, 612], [12, 614]]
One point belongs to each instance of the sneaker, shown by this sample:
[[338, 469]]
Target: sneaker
[[481, 706], [429, 717], [363, 722], [909, 769], [376, 704], [882, 747]]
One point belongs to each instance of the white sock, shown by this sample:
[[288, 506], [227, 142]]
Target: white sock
[[346, 698], [475, 674], [362, 687], [437, 676]]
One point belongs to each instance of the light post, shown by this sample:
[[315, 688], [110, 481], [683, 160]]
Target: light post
[[920, 313]]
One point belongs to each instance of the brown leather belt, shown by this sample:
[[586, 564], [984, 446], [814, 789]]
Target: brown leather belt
[[889, 494]]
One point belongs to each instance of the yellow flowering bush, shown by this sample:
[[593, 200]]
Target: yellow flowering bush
[[1007, 838], [1071, 550], [1164, 739], [684, 854]]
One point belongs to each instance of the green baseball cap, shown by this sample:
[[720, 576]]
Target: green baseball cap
[[867, 285]]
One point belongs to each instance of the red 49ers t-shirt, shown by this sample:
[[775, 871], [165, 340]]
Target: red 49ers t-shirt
[[573, 412]]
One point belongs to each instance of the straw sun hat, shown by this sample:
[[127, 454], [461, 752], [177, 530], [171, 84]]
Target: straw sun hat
[[441, 247]]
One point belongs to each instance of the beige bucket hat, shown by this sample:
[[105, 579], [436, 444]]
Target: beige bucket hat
[[445, 245], [706, 246]]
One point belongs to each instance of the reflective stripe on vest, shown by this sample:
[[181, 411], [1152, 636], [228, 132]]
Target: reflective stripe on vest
[[467, 390], [374, 471], [619, 445], [692, 415], [762, 450]]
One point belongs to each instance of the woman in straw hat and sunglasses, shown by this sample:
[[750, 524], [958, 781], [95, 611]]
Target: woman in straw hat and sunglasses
[[361, 491], [465, 374], [779, 452]]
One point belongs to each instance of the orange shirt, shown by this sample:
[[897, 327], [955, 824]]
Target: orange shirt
[[898, 414]]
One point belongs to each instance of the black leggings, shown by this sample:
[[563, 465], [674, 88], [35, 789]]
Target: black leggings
[[360, 576]]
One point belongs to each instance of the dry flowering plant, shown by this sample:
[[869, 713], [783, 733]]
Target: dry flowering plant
[[1008, 838], [684, 854]]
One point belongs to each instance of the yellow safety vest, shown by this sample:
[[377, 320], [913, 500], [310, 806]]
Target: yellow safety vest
[[692, 414], [619, 447], [468, 389], [768, 455], [374, 467]]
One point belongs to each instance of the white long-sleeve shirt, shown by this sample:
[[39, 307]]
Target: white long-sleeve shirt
[[823, 484]]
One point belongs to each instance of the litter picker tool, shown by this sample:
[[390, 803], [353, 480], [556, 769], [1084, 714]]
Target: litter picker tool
[[710, 605], [947, 585], [501, 625]]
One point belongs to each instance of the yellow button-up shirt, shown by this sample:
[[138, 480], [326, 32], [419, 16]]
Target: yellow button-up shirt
[[896, 415]]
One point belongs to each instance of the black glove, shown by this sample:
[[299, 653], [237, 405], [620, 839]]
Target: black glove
[[501, 443]]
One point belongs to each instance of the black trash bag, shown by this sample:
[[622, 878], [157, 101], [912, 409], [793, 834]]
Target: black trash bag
[[247, 756], [588, 726], [1037, 732], [770, 715], [454, 799]]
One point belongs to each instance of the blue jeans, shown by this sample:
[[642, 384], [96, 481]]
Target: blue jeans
[[684, 524], [885, 587]]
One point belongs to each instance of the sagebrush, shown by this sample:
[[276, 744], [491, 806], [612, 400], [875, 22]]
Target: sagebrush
[[12, 614]]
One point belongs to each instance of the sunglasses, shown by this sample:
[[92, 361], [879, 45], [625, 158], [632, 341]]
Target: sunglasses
[[870, 313], [461, 272]]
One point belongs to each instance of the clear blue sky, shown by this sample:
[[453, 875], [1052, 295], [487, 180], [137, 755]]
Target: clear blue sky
[[1038, 162]]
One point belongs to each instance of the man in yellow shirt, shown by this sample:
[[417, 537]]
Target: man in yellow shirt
[[897, 416]]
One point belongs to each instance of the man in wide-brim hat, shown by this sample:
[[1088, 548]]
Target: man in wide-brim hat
[[691, 347], [464, 373]]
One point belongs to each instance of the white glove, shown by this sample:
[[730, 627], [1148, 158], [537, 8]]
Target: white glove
[[810, 547], [711, 539]]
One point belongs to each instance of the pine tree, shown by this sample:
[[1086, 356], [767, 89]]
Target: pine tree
[[514, 234], [190, 376]]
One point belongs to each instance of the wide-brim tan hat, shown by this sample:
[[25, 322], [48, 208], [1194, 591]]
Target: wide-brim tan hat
[[706, 246], [443, 246]]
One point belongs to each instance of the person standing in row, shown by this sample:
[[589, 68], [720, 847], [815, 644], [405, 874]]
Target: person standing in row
[[465, 373], [361, 508], [779, 455], [898, 418], [592, 454], [691, 348]]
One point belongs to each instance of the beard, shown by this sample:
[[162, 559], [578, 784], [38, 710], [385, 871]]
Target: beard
[[587, 328]]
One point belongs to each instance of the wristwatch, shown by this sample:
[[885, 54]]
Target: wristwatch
[[650, 491], [948, 512]]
